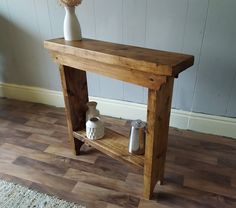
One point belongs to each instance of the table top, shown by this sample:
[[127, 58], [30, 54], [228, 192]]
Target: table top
[[135, 58]]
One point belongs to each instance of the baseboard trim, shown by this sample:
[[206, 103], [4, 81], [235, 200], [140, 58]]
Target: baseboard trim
[[217, 125]]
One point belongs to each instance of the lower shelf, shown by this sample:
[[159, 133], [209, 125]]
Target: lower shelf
[[114, 145]]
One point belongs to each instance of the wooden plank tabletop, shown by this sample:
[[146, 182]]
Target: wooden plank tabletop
[[137, 58]]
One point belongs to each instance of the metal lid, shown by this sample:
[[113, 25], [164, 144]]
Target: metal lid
[[138, 124]]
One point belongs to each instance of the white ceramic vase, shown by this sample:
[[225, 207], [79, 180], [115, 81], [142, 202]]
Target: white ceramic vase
[[72, 30], [94, 128], [92, 111]]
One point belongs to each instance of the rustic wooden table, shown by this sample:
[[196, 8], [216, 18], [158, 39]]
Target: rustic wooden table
[[153, 69]]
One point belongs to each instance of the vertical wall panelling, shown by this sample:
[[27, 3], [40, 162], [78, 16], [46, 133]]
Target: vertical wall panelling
[[165, 24], [166, 20], [133, 93], [5, 47], [93, 84], [217, 62], [86, 16], [204, 28], [134, 33], [42, 15], [134, 22], [56, 17], [47, 67], [193, 35], [108, 15], [231, 108], [25, 42]]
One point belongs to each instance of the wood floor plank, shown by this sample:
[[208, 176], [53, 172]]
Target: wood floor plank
[[227, 162], [206, 199], [15, 180], [42, 167], [194, 155], [104, 182], [113, 206], [3, 122], [200, 168], [43, 125], [60, 135], [193, 165], [66, 152], [106, 162], [44, 139], [46, 119], [37, 177], [57, 115], [152, 204], [61, 161], [85, 190], [29, 129], [6, 156], [69, 196], [46, 157], [191, 135], [201, 147], [24, 143], [201, 184], [12, 118], [5, 132]]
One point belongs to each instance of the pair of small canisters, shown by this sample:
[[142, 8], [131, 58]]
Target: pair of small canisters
[[95, 130]]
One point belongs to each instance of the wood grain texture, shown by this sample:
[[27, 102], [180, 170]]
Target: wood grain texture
[[149, 80], [200, 169], [74, 84], [159, 107], [136, 58], [149, 68], [114, 145]]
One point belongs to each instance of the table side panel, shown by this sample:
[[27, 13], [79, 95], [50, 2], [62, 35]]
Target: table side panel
[[75, 91]]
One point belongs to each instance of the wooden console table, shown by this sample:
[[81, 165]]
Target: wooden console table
[[153, 69]]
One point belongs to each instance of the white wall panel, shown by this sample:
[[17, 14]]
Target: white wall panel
[[134, 33], [193, 35], [166, 20], [204, 28], [25, 44], [108, 18], [86, 15], [6, 58], [217, 61]]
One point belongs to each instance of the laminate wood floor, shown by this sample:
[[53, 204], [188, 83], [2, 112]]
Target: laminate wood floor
[[200, 168]]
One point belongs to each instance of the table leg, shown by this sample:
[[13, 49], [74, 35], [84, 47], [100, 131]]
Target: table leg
[[74, 84], [159, 107]]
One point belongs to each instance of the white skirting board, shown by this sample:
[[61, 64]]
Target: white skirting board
[[217, 125]]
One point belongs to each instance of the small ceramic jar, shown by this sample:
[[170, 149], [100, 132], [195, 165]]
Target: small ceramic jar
[[92, 111], [94, 128]]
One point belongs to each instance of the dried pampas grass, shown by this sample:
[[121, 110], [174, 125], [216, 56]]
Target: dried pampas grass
[[71, 3]]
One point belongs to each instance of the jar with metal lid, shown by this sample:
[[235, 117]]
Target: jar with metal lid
[[137, 137]]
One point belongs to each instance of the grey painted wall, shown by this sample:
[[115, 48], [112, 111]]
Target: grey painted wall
[[204, 28]]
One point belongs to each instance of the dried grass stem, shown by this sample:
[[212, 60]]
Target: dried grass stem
[[71, 3]]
